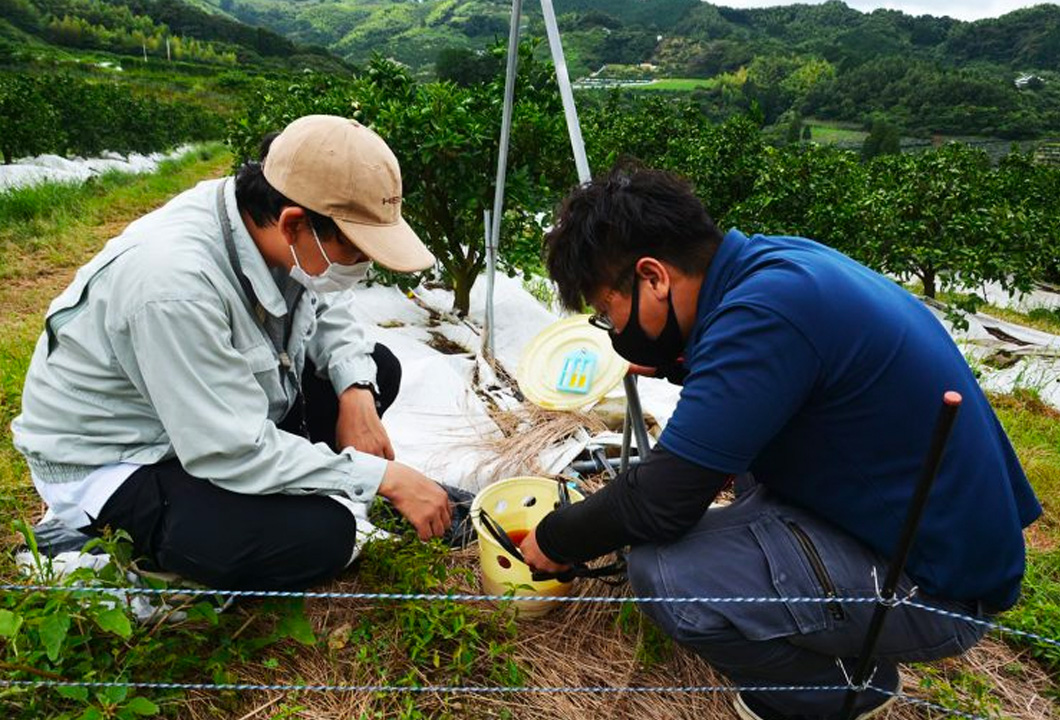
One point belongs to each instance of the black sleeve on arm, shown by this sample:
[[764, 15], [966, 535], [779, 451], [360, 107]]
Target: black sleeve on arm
[[655, 501]]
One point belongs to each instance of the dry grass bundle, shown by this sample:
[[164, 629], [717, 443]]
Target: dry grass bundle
[[527, 432]]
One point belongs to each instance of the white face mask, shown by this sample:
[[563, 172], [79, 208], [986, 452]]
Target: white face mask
[[335, 278]]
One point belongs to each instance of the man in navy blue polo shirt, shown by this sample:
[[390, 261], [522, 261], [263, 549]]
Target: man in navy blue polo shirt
[[816, 382]]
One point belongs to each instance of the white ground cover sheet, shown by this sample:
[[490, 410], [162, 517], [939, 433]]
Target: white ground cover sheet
[[53, 168], [991, 344], [439, 423]]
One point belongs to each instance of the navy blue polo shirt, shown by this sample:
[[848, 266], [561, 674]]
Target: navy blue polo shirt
[[825, 380]]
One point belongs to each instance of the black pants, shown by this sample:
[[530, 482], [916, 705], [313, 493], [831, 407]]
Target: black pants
[[231, 541]]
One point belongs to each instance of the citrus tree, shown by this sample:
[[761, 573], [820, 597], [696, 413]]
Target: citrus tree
[[446, 138], [66, 114], [28, 123], [813, 191], [947, 220], [721, 160]]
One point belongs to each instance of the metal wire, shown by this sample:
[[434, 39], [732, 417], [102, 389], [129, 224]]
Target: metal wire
[[427, 597], [466, 597], [983, 623], [483, 690], [466, 689], [424, 689]]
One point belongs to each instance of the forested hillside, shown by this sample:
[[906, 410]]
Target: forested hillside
[[79, 77], [171, 29], [921, 75], [701, 35]]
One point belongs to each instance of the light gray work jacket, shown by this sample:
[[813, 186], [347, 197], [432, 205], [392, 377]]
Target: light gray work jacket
[[153, 352]]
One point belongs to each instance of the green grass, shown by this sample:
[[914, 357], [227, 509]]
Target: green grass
[[1042, 319], [827, 133], [16, 493], [1034, 429], [678, 84], [51, 217], [1038, 611]]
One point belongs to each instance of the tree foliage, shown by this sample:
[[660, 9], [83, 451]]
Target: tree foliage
[[65, 114], [883, 139], [945, 216], [466, 67], [28, 123], [922, 74], [445, 137]]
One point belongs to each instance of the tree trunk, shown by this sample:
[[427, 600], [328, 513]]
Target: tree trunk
[[462, 292], [928, 278]]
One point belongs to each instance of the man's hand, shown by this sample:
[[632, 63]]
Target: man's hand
[[537, 560], [422, 501], [359, 425]]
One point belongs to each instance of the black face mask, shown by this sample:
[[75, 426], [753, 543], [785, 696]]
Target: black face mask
[[634, 345]]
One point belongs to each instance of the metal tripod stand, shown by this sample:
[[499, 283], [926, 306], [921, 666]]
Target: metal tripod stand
[[634, 427]]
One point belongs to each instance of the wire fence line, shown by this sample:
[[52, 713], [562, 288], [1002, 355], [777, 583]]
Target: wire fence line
[[444, 597], [184, 593], [469, 597], [490, 690], [432, 689]]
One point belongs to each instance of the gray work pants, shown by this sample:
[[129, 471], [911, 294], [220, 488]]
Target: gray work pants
[[761, 547]]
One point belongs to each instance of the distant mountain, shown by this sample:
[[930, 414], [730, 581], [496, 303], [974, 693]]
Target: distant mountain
[[689, 35], [192, 30]]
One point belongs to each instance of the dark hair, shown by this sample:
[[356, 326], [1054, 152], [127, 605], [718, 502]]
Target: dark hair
[[606, 225], [263, 202]]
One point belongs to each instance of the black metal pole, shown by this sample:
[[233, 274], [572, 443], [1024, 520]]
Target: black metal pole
[[951, 403], [627, 435], [598, 464], [636, 416]]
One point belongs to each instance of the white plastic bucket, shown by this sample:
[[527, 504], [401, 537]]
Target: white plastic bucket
[[516, 504]]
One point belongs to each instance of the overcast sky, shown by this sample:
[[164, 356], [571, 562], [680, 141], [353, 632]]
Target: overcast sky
[[961, 9]]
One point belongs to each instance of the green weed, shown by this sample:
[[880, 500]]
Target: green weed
[[1038, 611], [71, 635], [444, 642], [961, 691], [1034, 429], [1044, 319], [653, 646], [541, 289], [36, 202]]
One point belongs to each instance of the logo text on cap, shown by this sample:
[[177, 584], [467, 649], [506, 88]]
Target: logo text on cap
[[395, 200]]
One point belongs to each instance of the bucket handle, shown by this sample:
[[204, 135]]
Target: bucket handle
[[494, 528], [498, 533]]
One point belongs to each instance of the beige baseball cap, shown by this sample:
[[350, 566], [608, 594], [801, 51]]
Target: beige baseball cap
[[339, 168]]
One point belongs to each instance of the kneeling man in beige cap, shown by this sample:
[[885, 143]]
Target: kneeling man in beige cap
[[202, 384]]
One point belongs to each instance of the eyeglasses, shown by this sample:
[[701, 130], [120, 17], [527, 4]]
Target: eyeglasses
[[602, 321]]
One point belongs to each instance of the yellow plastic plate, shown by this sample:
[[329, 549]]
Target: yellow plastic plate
[[542, 362]]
